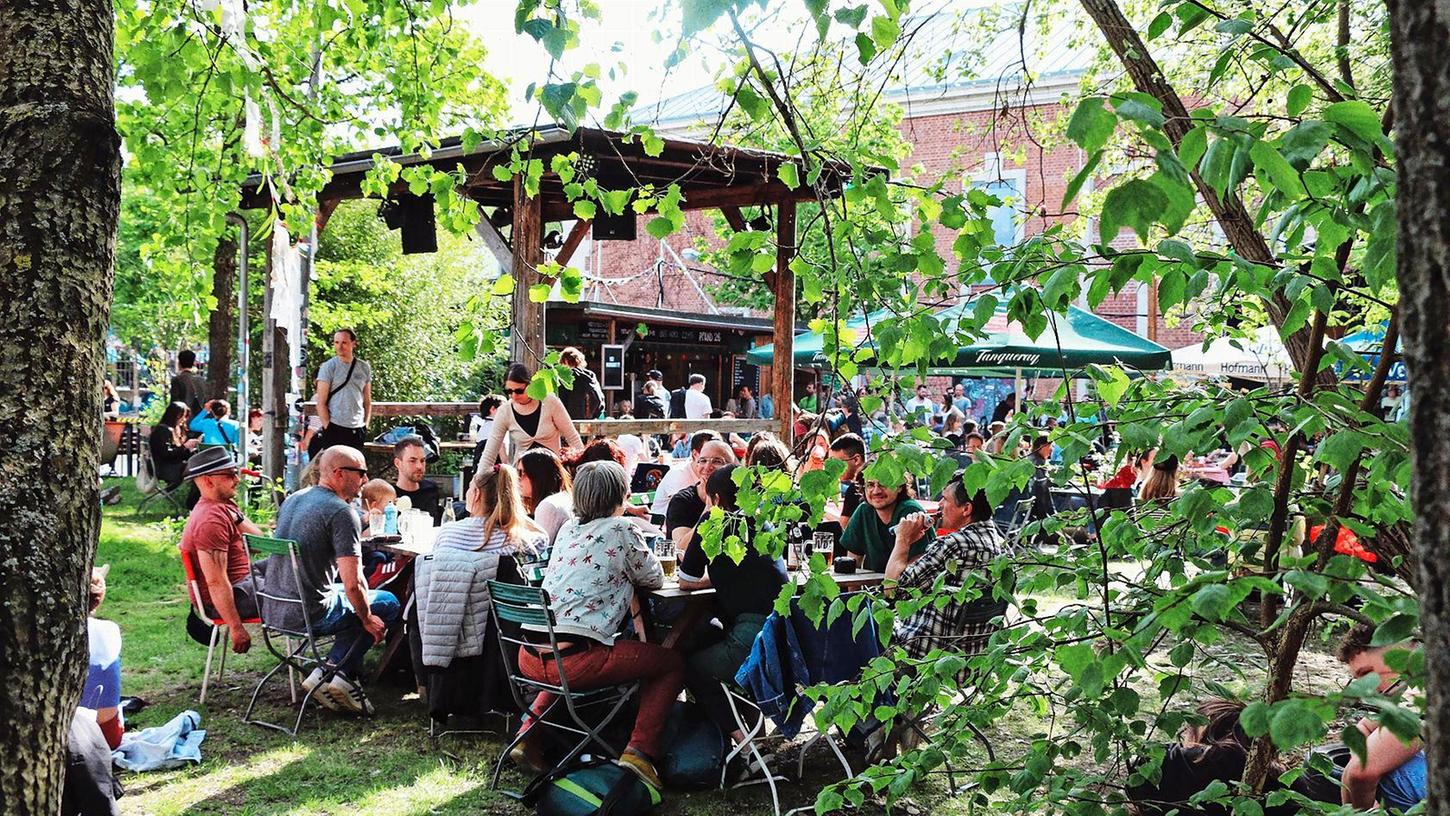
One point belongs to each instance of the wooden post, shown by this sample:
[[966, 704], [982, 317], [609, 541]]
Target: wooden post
[[783, 366], [526, 341]]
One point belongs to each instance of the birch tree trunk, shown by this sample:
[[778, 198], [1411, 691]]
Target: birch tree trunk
[[1418, 34], [59, 198]]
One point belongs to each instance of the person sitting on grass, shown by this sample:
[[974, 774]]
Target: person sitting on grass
[[1214, 750], [102, 690], [598, 562], [870, 533], [328, 535], [745, 593], [1392, 772], [963, 556], [212, 540]]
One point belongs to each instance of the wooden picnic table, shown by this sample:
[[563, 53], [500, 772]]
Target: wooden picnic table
[[697, 601]]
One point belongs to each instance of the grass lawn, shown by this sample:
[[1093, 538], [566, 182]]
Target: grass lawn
[[388, 765]]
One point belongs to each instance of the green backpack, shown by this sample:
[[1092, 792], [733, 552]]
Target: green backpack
[[592, 787]]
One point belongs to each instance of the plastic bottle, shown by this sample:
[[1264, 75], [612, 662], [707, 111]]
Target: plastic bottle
[[390, 519]]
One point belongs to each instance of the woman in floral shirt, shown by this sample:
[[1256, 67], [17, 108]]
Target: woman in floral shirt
[[599, 559]]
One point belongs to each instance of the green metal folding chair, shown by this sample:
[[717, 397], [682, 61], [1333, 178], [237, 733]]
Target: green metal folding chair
[[308, 652], [519, 606]]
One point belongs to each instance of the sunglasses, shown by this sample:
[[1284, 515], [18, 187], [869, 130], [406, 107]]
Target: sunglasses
[[512, 391], [363, 472]]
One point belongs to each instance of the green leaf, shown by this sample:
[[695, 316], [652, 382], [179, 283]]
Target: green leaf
[[1357, 117], [701, 14], [584, 210], [504, 285], [659, 227], [1137, 108], [851, 16], [1115, 386], [865, 48], [1159, 25], [1212, 602], [1279, 172], [1398, 629], [1135, 203], [1082, 176], [1340, 449], [539, 292], [1299, 98], [884, 31], [1092, 124], [1194, 143], [788, 174], [1294, 723]]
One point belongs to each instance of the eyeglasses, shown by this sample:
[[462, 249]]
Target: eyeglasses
[[713, 461], [363, 472], [228, 474], [513, 391]]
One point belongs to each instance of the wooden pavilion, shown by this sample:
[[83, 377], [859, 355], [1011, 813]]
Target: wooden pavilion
[[513, 227]]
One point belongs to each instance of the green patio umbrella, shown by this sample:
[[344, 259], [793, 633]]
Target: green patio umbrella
[[1070, 341]]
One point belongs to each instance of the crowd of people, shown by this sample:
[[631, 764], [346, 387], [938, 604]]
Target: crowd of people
[[575, 508]]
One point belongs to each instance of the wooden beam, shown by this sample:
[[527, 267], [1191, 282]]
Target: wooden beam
[[735, 218], [641, 427], [496, 243], [398, 409], [526, 340], [576, 237], [325, 209], [783, 366]]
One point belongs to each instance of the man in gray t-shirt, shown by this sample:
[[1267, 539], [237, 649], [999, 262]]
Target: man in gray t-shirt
[[344, 395], [321, 520]]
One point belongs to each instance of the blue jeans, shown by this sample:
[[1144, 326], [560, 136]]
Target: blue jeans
[[352, 640]]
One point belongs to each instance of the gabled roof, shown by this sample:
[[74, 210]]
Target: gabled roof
[[945, 56]]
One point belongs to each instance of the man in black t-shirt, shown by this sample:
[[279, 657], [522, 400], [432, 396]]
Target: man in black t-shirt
[[186, 387], [686, 506], [410, 459]]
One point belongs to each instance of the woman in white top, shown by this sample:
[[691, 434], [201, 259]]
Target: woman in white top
[[496, 519], [546, 489], [527, 423]]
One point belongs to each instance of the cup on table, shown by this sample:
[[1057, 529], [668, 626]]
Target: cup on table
[[665, 551], [825, 544]]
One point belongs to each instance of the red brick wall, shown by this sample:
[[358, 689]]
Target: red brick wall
[[953, 144]]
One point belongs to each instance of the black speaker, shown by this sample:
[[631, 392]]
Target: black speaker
[[615, 227], [414, 216]]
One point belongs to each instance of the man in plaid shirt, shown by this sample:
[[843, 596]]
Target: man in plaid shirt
[[963, 557]]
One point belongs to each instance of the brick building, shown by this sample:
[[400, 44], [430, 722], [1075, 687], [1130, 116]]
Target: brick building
[[983, 125]]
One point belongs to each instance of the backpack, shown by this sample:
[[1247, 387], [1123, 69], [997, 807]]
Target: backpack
[[694, 749], [677, 403], [591, 787]]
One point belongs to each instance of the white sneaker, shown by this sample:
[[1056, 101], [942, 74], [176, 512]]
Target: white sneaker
[[314, 687], [346, 696]]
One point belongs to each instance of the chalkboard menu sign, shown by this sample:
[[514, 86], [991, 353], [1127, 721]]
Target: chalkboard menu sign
[[611, 361], [744, 374]]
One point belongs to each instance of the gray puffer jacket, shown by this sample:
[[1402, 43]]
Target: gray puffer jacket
[[451, 591]]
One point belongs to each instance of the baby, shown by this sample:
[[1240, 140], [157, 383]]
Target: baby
[[376, 495]]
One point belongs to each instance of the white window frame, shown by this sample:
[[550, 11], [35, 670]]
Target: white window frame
[[991, 172]]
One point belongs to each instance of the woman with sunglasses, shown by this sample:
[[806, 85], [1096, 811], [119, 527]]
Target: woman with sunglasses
[[527, 422]]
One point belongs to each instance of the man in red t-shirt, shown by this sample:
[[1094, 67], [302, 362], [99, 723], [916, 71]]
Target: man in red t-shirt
[[213, 541]]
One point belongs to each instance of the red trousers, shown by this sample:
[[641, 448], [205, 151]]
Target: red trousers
[[660, 670]]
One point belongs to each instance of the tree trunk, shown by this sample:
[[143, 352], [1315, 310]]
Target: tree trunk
[[1418, 33], [222, 325], [1229, 211], [60, 162]]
